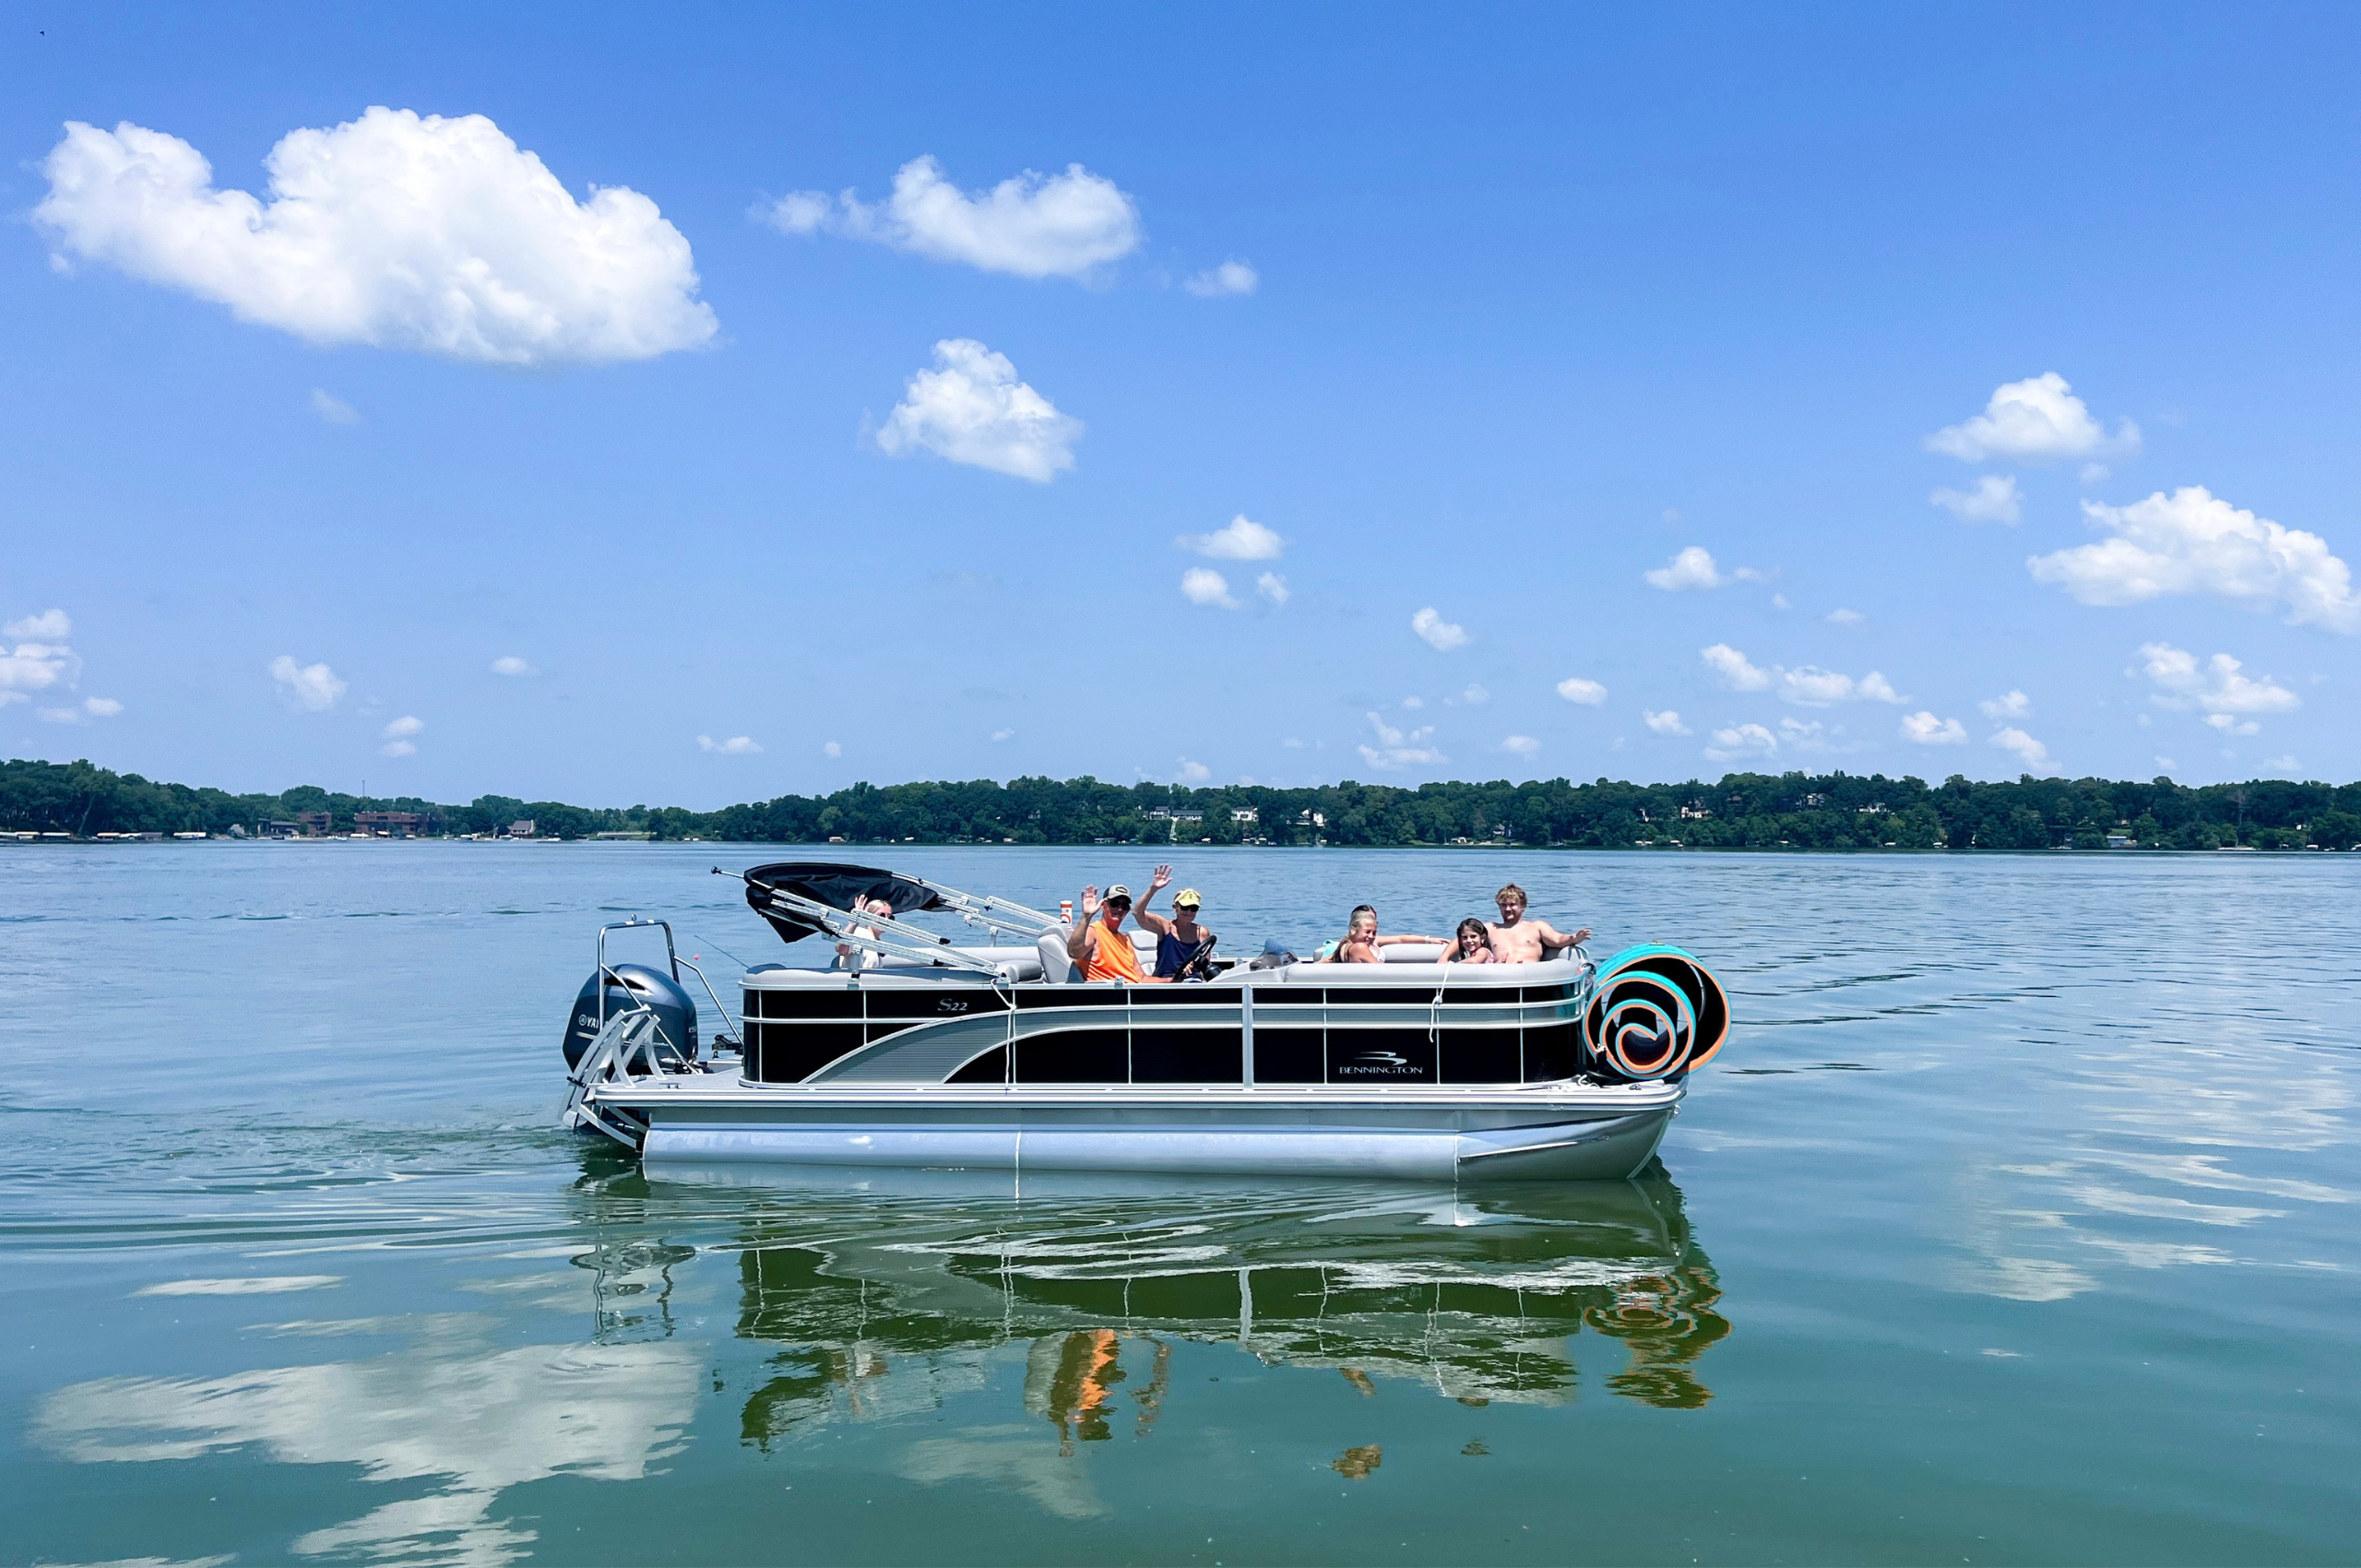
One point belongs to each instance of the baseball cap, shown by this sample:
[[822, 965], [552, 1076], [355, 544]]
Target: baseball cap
[[1186, 899], [1118, 891]]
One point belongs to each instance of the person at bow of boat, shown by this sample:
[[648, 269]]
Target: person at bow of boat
[[1471, 944], [1100, 946], [1361, 942], [1183, 948], [1516, 940]]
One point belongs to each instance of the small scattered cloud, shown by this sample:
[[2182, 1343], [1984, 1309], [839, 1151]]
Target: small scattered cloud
[[1194, 772], [1436, 632], [398, 230], [832, 750], [2011, 705], [333, 408], [2037, 419], [1666, 723], [1806, 685], [1741, 741], [1296, 744], [1000, 735], [1202, 585], [90, 707], [972, 409], [1924, 728], [2284, 765], [396, 736], [2194, 542], [1401, 748], [1030, 225], [1732, 669], [740, 745], [48, 626], [1231, 277], [1807, 735], [1414, 703], [1520, 745], [1590, 694], [1694, 568], [1845, 618], [1242, 539], [1473, 697], [313, 688], [2028, 751], [1273, 587], [509, 664], [1995, 499], [2219, 687], [102, 708], [2167, 764]]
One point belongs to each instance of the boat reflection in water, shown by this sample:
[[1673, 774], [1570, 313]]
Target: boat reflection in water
[[890, 1291]]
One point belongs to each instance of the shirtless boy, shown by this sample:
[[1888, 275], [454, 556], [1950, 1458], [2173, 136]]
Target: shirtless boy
[[1516, 940]]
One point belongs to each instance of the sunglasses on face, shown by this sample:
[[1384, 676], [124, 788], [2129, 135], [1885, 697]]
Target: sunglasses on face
[[1118, 903]]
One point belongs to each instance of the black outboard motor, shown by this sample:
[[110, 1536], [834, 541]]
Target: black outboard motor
[[630, 986]]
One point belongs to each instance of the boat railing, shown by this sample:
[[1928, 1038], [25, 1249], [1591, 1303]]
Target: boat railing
[[631, 1035]]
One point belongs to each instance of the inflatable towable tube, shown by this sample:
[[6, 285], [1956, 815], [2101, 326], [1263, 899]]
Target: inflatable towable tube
[[1655, 1013]]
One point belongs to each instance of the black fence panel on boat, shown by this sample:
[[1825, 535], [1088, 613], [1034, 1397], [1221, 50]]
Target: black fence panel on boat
[[1187, 1056], [1285, 1056], [1074, 1056], [1481, 1057], [1381, 1056]]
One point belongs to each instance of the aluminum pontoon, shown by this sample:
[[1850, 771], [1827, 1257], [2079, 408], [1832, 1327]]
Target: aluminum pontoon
[[915, 1050]]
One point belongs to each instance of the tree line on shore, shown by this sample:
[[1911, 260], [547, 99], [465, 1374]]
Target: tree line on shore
[[1752, 811]]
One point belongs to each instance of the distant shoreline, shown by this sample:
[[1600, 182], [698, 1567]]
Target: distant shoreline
[[60, 802]]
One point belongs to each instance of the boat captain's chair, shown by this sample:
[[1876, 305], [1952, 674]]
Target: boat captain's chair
[[1057, 965]]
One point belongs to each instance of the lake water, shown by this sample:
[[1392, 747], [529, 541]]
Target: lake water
[[2015, 1224]]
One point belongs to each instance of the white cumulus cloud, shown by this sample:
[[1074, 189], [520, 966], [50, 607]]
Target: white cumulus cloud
[[1520, 745], [2027, 750], [396, 736], [1194, 772], [1741, 741], [1474, 696], [1231, 277], [1806, 685], [2219, 687], [394, 229], [2195, 542], [972, 409], [1242, 539], [738, 745], [1401, 748], [1436, 632], [1666, 723], [1995, 499], [1202, 585], [102, 708], [2037, 419], [509, 664], [1031, 225], [1733, 670], [1845, 618], [314, 688], [2011, 705], [1692, 568], [1590, 694], [832, 750], [1000, 735], [49, 626], [1273, 587], [1929, 731]]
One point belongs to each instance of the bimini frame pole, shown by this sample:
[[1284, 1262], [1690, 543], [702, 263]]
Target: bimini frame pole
[[882, 935], [991, 913]]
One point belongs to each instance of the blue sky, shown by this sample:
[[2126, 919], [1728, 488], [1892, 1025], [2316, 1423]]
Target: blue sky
[[771, 487]]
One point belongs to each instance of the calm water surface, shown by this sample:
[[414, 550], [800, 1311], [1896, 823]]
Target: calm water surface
[[2015, 1225]]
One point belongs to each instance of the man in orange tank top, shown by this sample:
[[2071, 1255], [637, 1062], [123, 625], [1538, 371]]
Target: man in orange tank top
[[1100, 944]]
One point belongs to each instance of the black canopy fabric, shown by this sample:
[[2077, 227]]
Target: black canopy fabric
[[836, 885]]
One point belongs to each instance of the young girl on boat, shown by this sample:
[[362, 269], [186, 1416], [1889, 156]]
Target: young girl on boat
[[1472, 944]]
